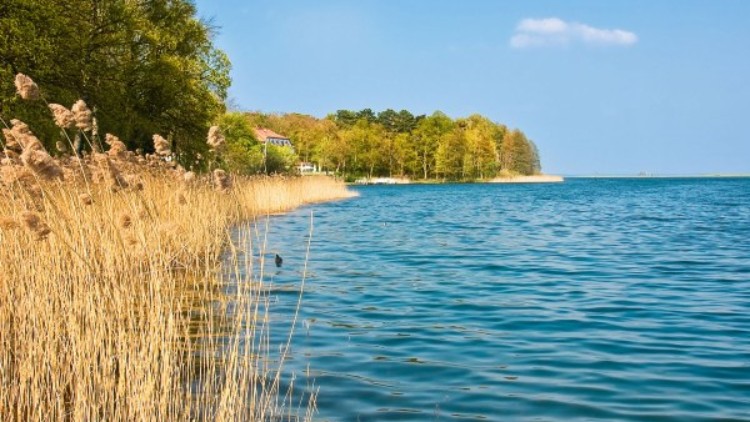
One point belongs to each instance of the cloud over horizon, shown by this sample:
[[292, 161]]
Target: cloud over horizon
[[551, 32]]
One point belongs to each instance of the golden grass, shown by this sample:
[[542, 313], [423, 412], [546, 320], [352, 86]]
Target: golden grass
[[112, 303]]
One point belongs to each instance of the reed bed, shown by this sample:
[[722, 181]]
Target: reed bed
[[115, 300]]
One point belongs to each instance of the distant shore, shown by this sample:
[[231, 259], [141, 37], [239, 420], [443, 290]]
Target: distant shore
[[539, 178]]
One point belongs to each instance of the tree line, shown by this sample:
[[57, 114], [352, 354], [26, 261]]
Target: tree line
[[391, 143]]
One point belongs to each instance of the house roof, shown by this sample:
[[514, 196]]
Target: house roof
[[263, 134]]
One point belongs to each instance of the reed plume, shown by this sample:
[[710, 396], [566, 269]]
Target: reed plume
[[110, 173], [26, 87], [161, 146], [117, 148], [77, 144], [12, 155], [19, 127], [42, 164], [64, 118], [215, 138], [20, 137], [10, 140], [82, 115]]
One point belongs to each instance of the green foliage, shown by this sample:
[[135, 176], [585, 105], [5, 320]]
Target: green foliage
[[242, 154], [518, 155], [390, 143], [143, 67], [426, 137], [451, 155], [280, 160]]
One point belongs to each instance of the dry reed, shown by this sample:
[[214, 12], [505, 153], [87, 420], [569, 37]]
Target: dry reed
[[64, 118], [215, 138], [26, 88], [111, 315], [113, 305], [161, 146], [222, 181], [82, 115]]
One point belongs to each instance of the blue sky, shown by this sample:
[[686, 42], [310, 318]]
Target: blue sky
[[602, 87]]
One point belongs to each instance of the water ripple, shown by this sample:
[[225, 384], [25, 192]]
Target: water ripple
[[589, 300]]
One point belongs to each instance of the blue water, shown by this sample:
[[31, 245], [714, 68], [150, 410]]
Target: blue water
[[596, 299]]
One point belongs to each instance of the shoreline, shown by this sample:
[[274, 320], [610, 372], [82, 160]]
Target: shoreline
[[665, 176], [539, 178]]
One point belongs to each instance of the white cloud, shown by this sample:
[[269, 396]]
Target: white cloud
[[543, 26], [557, 32]]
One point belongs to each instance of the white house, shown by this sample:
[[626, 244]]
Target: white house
[[267, 136]]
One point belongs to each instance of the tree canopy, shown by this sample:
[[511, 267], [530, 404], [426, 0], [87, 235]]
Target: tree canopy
[[391, 143]]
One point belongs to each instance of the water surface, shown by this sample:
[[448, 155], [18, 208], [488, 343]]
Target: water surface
[[596, 299]]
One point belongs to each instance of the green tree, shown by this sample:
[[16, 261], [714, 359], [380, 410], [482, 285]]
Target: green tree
[[324, 148], [481, 153], [367, 114], [366, 140], [518, 155], [143, 67], [406, 122], [451, 154], [279, 159], [404, 157], [388, 118], [425, 139], [345, 118], [243, 153], [335, 149]]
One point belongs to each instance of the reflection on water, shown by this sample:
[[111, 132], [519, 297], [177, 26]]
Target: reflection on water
[[592, 299]]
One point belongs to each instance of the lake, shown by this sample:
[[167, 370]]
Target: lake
[[594, 299]]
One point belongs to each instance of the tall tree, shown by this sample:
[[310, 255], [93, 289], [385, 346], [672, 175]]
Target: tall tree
[[518, 154], [451, 155], [388, 118], [426, 137], [481, 154]]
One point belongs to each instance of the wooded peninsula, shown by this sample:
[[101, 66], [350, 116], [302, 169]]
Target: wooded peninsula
[[390, 143]]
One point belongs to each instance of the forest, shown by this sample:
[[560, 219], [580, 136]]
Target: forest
[[400, 144], [150, 67]]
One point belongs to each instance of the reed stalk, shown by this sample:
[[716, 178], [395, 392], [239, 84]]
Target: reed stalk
[[115, 300]]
